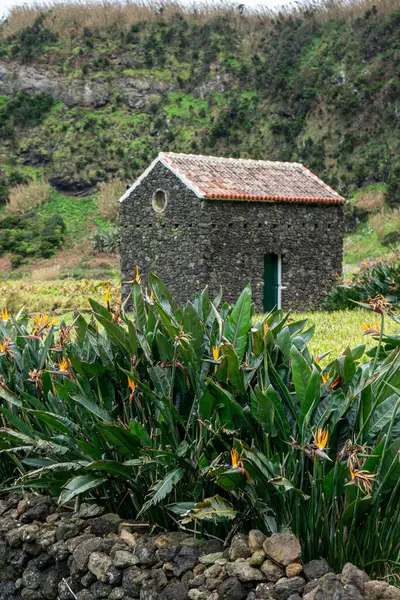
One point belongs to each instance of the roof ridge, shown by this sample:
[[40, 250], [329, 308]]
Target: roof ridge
[[231, 158]]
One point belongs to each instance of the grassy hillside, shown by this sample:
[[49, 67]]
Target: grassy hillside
[[91, 93]]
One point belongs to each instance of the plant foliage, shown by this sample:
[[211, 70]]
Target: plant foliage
[[196, 414], [368, 282], [31, 235]]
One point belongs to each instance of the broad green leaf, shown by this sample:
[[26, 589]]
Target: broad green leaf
[[110, 466], [383, 415], [163, 488], [349, 367], [120, 438], [211, 509], [356, 511], [140, 432], [57, 422], [78, 486], [10, 396], [238, 324], [116, 334], [181, 508], [287, 486], [161, 293], [93, 408], [234, 372], [389, 470], [263, 409], [312, 396], [301, 374], [139, 309], [98, 309], [192, 325], [231, 479]]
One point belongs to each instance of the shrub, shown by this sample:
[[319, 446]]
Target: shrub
[[108, 199], [7, 180], [24, 109], [25, 197], [386, 223], [377, 222], [31, 41], [180, 410], [107, 241], [31, 234], [368, 282]]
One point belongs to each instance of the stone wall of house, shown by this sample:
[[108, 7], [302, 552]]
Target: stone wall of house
[[195, 242], [308, 237], [165, 243], [52, 554]]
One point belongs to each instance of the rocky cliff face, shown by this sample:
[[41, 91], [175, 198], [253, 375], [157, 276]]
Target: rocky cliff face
[[134, 92], [48, 554]]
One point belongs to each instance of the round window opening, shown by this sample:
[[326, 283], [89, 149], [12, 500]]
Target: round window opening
[[159, 200]]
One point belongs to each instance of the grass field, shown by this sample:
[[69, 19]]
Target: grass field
[[334, 331]]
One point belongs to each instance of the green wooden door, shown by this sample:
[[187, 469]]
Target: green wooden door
[[271, 282]]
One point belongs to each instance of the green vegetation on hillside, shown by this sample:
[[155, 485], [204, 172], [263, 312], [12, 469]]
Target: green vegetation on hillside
[[323, 91]]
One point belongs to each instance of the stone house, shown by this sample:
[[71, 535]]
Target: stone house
[[200, 220]]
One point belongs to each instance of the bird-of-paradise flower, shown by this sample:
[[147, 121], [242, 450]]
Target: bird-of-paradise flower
[[319, 445], [369, 329], [321, 439], [234, 458], [362, 479], [325, 378], [379, 304], [42, 322], [215, 352], [133, 388], [312, 450], [335, 383], [35, 376], [137, 276], [107, 295], [265, 327], [63, 365], [65, 337], [4, 315], [237, 463], [5, 347]]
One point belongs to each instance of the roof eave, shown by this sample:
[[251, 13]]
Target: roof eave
[[140, 179], [300, 199]]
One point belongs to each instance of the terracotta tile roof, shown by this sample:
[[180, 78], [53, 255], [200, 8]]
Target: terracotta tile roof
[[245, 179]]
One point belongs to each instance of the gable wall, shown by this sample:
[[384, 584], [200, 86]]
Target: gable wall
[[166, 243]]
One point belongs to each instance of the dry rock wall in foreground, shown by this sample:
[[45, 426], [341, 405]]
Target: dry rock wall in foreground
[[47, 553]]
